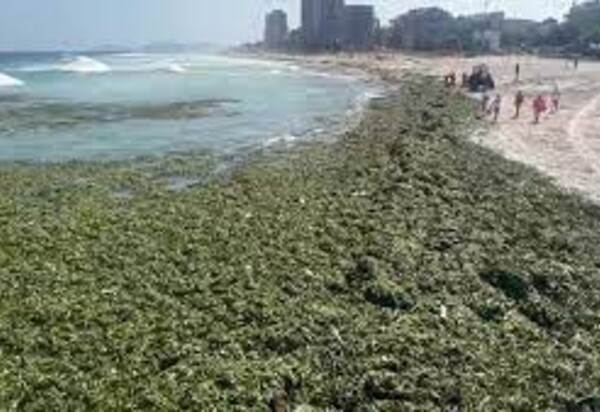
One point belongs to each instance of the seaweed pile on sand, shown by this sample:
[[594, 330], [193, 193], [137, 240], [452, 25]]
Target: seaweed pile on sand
[[401, 268]]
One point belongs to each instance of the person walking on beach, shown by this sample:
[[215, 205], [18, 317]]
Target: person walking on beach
[[450, 80], [519, 100], [464, 81], [453, 79], [555, 99], [517, 72], [576, 63], [495, 107], [484, 109], [539, 107]]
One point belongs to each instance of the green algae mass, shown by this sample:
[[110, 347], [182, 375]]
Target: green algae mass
[[401, 268]]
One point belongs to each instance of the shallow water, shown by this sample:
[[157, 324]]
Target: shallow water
[[57, 107]]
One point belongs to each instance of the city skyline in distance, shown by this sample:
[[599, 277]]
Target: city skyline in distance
[[76, 25]]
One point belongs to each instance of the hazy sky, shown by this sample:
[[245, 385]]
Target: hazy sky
[[60, 24]]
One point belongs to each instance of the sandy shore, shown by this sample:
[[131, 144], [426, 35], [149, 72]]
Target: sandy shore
[[565, 146]]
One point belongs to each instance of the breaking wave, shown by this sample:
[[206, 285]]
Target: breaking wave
[[7, 81], [176, 68], [285, 138], [84, 64]]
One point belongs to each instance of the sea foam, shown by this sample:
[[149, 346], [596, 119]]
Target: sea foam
[[7, 81], [176, 68], [84, 64], [286, 138]]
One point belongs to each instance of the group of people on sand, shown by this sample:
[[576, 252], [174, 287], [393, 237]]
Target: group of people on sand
[[491, 107], [540, 104], [481, 81]]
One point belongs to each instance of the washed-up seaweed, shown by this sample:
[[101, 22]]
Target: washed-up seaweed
[[401, 268]]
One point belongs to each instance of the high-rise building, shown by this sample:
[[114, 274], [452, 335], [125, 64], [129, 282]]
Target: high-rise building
[[276, 29], [359, 26], [322, 22]]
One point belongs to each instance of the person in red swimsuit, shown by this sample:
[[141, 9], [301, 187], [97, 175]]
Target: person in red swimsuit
[[539, 107]]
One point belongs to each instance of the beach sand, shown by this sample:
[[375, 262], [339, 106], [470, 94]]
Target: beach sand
[[564, 146]]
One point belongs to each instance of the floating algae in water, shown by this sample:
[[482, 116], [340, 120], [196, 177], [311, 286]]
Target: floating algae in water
[[178, 110], [52, 115]]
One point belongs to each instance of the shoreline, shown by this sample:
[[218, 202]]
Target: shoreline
[[565, 146], [201, 167], [400, 267], [257, 118]]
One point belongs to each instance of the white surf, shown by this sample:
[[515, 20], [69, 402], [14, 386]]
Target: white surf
[[176, 68], [84, 64], [8, 81]]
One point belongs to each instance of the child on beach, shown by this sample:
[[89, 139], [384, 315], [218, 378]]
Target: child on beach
[[555, 99], [495, 107], [465, 80], [484, 107], [485, 101], [519, 100], [539, 107], [450, 80]]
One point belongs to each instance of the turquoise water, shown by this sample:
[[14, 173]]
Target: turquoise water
[[57, 107]]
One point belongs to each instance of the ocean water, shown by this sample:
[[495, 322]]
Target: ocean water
[[57, 107]]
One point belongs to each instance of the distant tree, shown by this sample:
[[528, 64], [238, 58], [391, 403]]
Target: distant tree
[[296, 40], [552, 33], [582, 26], [548, 34], [424, 29], [379, 34], [464, 30]]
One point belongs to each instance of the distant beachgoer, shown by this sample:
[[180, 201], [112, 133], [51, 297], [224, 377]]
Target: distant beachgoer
[[519, 100], [453, 79], [488, 81], [495, 107], [555, 99], [576, 63], [517, 72], [485, 101], [539, 107], [465, 80], [450, 79]]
